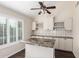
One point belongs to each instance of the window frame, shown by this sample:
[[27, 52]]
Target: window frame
[[8, 31]]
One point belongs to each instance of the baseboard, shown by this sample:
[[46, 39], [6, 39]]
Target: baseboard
[[15, 52], [64, 51]]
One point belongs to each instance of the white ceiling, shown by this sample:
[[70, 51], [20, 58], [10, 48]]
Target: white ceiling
[[25, 6]]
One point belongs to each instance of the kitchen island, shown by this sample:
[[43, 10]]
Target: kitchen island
[[39, 48]]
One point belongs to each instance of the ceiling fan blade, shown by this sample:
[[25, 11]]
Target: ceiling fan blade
[[41, 4], [35, 8], [48, 12], [51, 7]]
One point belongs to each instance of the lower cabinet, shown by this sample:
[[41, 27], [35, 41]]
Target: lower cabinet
[[35, 51], [68, 44], [63, 44], [56, 43]]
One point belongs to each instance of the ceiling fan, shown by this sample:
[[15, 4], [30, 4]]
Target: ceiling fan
[[44, 8]]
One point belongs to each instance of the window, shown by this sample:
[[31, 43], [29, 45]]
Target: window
[[12, 27], [10, 30], [19, 30], [3, 31]]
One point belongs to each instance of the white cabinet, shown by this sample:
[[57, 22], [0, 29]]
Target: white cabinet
[[33, 25], [68, 44], [56, 43], [68, 24], [63, 44], [34, 51]]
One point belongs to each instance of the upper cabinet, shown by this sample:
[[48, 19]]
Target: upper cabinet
[[65, 23], [68, 24]]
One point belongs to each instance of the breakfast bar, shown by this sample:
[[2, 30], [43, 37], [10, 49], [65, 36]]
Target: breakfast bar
[[39, 48]]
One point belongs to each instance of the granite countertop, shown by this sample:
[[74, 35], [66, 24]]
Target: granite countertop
[[67, 37], [41, 42]]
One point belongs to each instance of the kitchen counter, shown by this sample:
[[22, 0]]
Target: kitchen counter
[[41, 42], [68, 37], [39, 48]]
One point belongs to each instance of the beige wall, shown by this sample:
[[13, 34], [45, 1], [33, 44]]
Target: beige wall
[[64, 10], [9, 50]]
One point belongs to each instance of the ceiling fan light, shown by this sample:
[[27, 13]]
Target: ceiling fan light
[[40, 13]]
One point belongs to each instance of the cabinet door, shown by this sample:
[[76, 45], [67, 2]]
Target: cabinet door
[[68, 44], [56, 43], [61, 43], [33, 51]]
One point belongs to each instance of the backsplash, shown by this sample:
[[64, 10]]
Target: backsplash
[[58, 32]]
